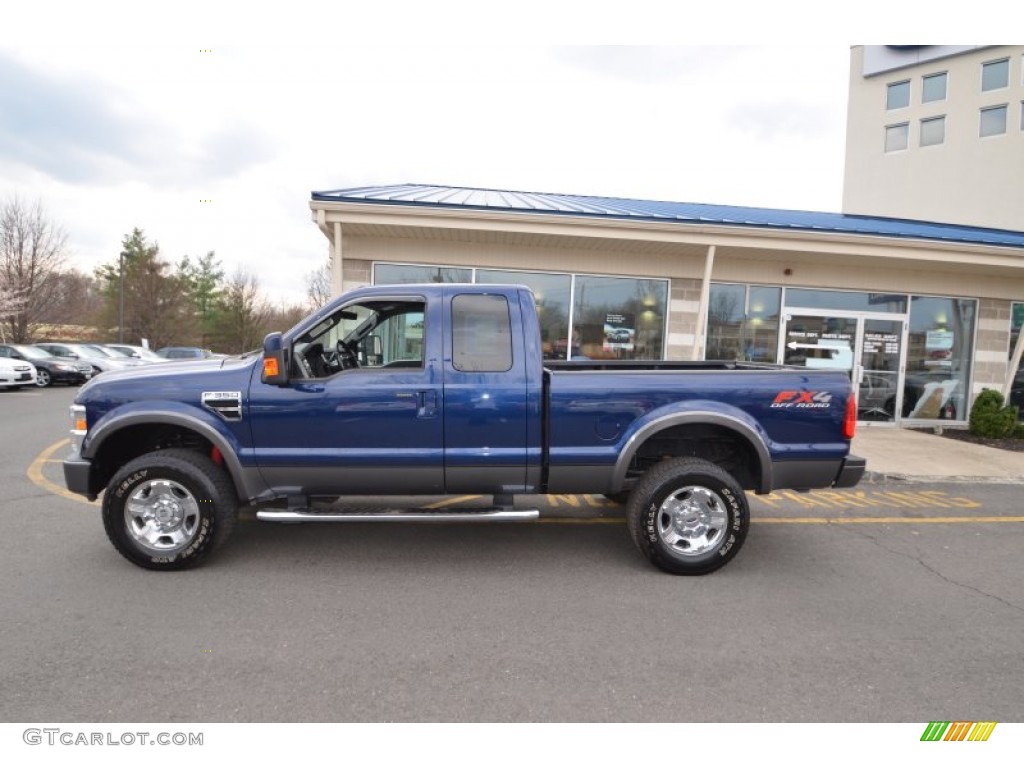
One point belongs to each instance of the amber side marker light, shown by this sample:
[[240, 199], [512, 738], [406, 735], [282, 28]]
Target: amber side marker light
[[850, 421], [270, 366]]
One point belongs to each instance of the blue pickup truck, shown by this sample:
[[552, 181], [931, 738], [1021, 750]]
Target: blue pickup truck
[[441, 389]]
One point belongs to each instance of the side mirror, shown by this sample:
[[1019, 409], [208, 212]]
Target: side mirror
[[275, 363]]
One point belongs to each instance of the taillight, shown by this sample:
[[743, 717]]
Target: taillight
[[850, 421]]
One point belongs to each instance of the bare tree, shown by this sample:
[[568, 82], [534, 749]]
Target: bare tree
[[242, 313], [318, 287], [32, 256]]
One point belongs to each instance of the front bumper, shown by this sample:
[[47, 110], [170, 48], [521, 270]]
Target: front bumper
[[851, 471], [77, 472]]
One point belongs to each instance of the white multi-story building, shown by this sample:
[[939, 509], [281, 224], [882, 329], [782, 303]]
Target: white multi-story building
[[936, 133]]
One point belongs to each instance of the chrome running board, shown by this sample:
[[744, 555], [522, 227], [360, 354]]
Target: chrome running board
[[487, 515]]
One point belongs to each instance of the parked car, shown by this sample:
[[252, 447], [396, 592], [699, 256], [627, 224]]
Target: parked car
[[49, 368], [99, 360], [15, 374], [145, 354], [186, 353]]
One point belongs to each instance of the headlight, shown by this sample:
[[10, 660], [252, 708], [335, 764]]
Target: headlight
[[65, 367], [78, 426]]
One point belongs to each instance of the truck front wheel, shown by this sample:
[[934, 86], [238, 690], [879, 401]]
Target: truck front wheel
[[168, 510], [688, 516]]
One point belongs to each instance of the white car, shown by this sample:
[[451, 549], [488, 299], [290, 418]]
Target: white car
[[16, 373]]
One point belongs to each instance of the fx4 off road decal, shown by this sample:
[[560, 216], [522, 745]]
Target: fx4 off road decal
[[802, 399]]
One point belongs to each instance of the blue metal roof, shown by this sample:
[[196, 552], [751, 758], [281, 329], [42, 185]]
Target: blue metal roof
[[432, 196]]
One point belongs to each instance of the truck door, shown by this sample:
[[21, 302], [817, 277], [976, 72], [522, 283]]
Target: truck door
[[363, 411], [488, 409]]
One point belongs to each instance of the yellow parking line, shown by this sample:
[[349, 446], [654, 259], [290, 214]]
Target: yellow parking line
[[884, 520], [35, 473]]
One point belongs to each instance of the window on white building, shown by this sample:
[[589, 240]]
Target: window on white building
[[933, 87], [933, 131], [995, 74], [993, 121], [897, 95], [896, 137]]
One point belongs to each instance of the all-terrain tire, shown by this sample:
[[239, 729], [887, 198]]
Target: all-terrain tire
[[688, 516], [169, 509]]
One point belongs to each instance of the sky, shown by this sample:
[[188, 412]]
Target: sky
[[209, 125]]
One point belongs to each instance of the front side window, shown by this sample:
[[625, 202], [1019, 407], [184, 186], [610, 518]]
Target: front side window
[[933, 131], [995, 74], [481, 334], [376, 334], [993, 121], [896, 137], [897, 95], [933, 87]]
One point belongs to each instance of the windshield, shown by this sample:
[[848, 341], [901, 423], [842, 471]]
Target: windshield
[[98, 351], [32, 353]]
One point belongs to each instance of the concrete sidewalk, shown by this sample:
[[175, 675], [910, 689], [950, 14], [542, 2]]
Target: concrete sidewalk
[[904, 454]]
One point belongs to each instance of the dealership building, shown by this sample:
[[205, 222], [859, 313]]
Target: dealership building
[[922, 313]]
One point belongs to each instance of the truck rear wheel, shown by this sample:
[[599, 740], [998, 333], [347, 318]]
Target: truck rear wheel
[[688, 516], [168, 510]]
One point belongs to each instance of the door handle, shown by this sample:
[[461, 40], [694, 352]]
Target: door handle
[[427, 404]]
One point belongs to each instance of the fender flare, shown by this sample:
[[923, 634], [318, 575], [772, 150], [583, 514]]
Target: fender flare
[[744, 429], [111, 424]]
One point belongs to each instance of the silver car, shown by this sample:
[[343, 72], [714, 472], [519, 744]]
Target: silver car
[[99, 359]]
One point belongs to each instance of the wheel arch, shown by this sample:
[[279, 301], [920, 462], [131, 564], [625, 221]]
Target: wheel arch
[[116, 441], [695, 426]]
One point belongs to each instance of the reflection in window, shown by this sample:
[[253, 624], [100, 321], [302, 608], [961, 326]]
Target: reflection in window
[[551, 293], [939, 351], [393, 274], [861, 302], [619, 318], [1017, 385], [743, 323]]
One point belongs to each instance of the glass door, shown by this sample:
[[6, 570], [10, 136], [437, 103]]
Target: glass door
[[879, 395], [867, 348]]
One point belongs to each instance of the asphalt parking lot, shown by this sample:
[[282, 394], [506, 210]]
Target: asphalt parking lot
[[887, 602]]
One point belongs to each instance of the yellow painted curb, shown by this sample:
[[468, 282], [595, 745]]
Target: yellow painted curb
[[35, 474]]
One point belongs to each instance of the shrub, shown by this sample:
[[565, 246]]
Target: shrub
[[990, 418]]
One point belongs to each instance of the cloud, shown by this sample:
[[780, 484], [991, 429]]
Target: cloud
[[89, 132], [645, 64]]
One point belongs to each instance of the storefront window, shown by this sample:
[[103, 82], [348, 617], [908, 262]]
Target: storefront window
[[1017, 387], [850, 300], [552, 295], [743, 323], [619, 318], [393, 274], [939, 352]]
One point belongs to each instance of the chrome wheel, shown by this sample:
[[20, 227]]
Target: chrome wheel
[[162, 516], [692, 521], [42, 377]]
